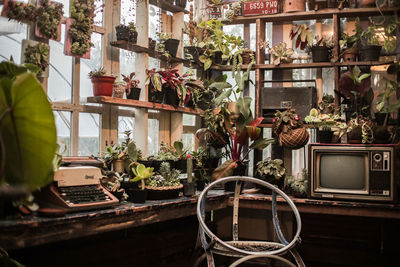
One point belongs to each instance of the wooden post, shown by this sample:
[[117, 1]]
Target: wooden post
[[336, 30]]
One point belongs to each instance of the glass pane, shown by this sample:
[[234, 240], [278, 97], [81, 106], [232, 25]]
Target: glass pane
[[127, 61], [188, 140], [153, 136], [154, 21], [12, 34], [98, 7], [267, 133], [63, 124], [125, 124], [128, 11], [89, 134], [60, 74], [95, 62], [189, 120]]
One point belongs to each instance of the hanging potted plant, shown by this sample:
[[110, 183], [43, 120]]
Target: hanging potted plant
[[102, 83], [38, 54], [155, 92], [127, 32], [78, 29], [19, 11], [281, 54], [370, 47], [48, 20], [165, 185], [132, 86]]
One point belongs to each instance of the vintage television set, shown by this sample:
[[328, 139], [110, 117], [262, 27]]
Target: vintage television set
[[353, 172], [302, 99]]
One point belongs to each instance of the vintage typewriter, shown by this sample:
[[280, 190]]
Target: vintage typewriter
[[78, 188]]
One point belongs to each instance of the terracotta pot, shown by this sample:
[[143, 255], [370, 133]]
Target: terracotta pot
[[350, 55], [368, 3], [118, 165], [294, 6], [103, 85]]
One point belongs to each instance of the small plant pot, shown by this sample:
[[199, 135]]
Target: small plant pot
[[370, 52], [137, 195], [324, 136], [152, 44], [320, 54], [171, 96], [155, 96], [189, 189], [171, 46], [103, 85], [118, 90], [246, 56], [119, 195], [193, 52], [134, 93], [181, 3], [118, 165], [350, 55], [68, 41], [124, 33], [206, 101], [217, 57], [294, 6]]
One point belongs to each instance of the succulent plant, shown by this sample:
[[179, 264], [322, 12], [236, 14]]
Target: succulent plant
[[48, 16], [167, 177], [82, 13], [38, 55], [21, 12], [97, 73], [281, 54]]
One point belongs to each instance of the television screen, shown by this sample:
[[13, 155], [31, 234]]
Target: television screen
[[341, 171]]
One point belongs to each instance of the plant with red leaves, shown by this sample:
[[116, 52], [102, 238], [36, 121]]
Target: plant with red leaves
[[304, 34]]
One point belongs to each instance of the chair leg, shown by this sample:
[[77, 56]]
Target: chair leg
[[297, 258]]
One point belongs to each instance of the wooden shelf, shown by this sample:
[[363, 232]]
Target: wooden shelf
[[304, 65], [320, 14], [140, 49], [164, 5], [142, 104]]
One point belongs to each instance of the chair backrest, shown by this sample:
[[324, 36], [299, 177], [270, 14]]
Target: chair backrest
[[280, 248]]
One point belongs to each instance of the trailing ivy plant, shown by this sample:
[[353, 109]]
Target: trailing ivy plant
[[82, 13], [48, 17], [38, 55]]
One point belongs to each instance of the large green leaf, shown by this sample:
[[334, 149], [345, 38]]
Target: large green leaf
[[224, 170], [28, 131]]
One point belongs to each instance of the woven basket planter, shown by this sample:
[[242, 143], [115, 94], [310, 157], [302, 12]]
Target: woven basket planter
[[294, 139], [166, 192]]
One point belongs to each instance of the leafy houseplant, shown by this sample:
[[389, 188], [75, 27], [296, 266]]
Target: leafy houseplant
[[127, 32], [28, 132], [19, 11], [348, 47], [304, 34], [360, 130], [322, 49], [167, 45], [49, 15], [79, 28], [132, 86], [141, 173], [271, 171], [298, 185], [281, 54], [370, 47], [102, 83], [323, 123], [38, 55], [154, 80], [166, 184]]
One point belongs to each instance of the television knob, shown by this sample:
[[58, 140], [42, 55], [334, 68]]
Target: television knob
[[377, 157]]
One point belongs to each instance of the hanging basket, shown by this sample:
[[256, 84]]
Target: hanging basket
[[294, 139]]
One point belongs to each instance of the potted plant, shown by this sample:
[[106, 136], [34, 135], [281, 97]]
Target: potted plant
[[119, 89], [321, 50], [102, 83], [323, 123], [348, 47], [281, 54], [196, 36], [290, 129], [38, 54], [155, 92], [370, 47], [271, 171], [112, 182], [127, 32], [19, 11], [167, 45], [360, 130], [165, 185], [298, 185], [141, 174], [79, 29], [48, 19], [132, 86], [115, 157], [182, 155]]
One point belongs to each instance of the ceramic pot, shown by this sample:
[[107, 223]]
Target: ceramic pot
[[167, 192], [118, 90], [171, 46], [137, 195], [134, 93], [103, 85], [370, 52], [294, 6], [320, 54], [118, 165], [350, 55]]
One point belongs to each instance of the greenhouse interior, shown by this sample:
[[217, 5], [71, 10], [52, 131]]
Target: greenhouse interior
[[199, 133]]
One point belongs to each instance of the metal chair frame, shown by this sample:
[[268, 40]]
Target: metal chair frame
[[232, 248]]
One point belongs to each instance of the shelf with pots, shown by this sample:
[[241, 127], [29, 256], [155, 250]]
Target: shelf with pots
[[168, 5]]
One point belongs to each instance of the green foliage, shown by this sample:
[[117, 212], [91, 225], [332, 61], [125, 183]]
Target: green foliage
[[38, 55], [167, 177], [28, 131], [322, 120], [357, 77], [141, 173], [97, 73], [49, 16], [21, 12], [155, 78], [299, 184], [270, 168], [82, 11]]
